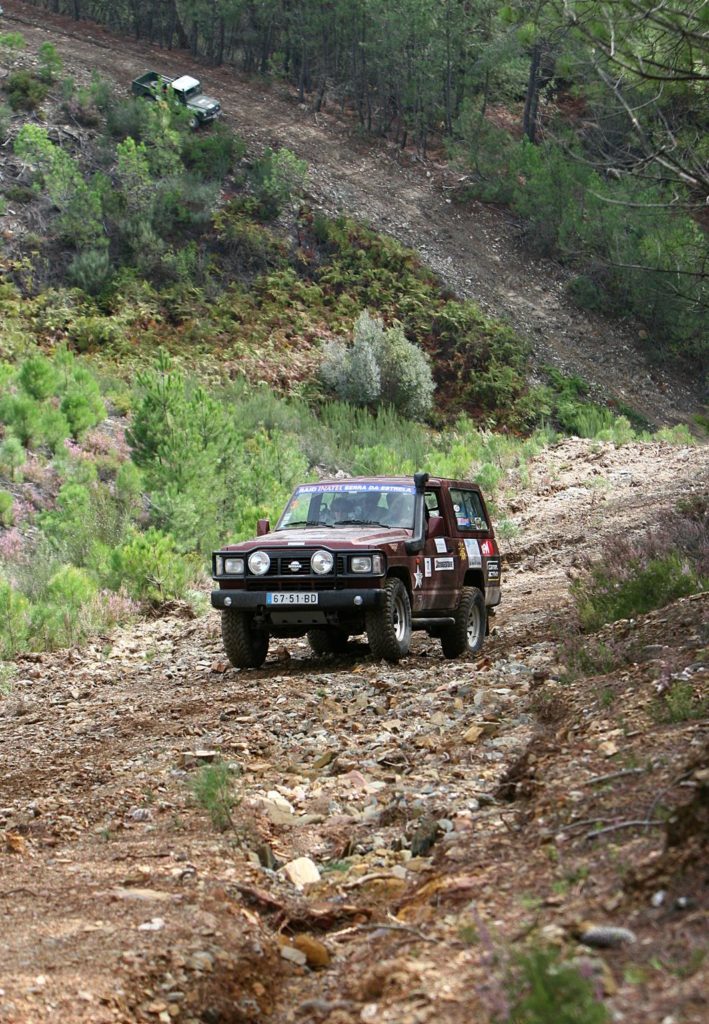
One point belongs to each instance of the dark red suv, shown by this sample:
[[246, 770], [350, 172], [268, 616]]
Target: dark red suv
[[375, 555]]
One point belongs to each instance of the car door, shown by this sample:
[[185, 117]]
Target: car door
[[434, 573]]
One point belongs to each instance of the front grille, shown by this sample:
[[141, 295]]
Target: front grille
[[280, 566]]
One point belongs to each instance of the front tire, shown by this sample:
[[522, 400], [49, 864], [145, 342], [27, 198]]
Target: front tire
[[245, 646], [327, 641], [466, 636], [389, 626]]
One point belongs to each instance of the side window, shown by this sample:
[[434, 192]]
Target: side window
[[432, 503], [468, 510]]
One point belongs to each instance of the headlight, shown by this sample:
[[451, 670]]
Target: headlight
[[367, 563], [321, 562], [234, 566], [259, 562]]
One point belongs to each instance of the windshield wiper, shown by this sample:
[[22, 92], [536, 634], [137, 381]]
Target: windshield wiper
[[362, 522], [306, 522]]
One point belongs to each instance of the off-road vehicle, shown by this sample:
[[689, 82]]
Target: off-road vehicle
[[375, 555], [186, 90]]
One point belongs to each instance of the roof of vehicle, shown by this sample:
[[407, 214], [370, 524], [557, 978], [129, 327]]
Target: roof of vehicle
[[396, 480], [185, 82]]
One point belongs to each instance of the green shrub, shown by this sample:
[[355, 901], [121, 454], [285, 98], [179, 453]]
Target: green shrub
[[50, 63], [5, 122], [22, 414], [12, 457], [278, 179], [14, 620], [212, 155], [544, 989], [620, 591], [24, 91], [381, 366], [150, 568], [39, 378], [89, 331], [12, 41], [63, 616], [100, 91], [7, 516], [90, 270], [214, 791], [680, 703], [82, 403]]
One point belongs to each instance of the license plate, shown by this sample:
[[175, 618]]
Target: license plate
[[292, 597]]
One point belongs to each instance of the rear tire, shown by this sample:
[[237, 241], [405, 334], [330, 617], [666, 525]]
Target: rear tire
[[327, 641], [245, 646], [389, 626], [466, 636]]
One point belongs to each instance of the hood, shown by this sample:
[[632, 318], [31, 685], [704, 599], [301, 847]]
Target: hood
[[204, 103], [335, 537]]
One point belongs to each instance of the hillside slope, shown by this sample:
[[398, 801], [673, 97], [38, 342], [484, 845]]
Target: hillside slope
[[450, 806], [476, 250]]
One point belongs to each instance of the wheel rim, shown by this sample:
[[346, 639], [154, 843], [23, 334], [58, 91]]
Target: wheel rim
[[398, 618], [474, 627]]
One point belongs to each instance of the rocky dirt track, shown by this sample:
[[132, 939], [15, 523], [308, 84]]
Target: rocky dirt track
[[449, 808], [476, 249]]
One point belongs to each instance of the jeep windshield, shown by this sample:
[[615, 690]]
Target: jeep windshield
[[350, 504]]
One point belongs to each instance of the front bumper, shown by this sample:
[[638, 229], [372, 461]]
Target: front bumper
[[352, 601]]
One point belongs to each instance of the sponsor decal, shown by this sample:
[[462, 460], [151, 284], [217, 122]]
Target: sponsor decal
[[493, 568], [427, 570], [487, 548], [461, 549], [444, 564], [472, 549], [418, 576], [441, 545], [355, 488]]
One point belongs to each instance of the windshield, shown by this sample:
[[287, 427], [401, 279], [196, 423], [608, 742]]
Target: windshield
[[333, 505], [193, 93]]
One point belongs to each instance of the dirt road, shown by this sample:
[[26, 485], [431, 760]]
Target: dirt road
[[476, 249], [122, 902]]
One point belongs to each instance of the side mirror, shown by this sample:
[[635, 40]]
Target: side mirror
[[263, 527], [435, 527]]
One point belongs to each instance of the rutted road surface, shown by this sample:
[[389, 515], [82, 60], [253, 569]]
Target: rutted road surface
[[476, 250], [444, 805]]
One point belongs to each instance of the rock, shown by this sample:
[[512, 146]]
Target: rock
[[424, 837], [139, 814], [473, 734], [295, 956], [155, 924], [325, 759], [317, 954], [141, 895], [606, 936], [302, 871], [280, 801], [201, 961]]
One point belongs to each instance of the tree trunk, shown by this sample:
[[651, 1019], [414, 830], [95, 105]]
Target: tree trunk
[[531, 103]]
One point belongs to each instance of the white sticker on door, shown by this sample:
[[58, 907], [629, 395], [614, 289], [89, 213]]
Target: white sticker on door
[[444, 564], [427, 567], [472, 549], [441, 545]]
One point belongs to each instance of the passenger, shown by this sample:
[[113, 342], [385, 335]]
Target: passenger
[[400, 511]]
